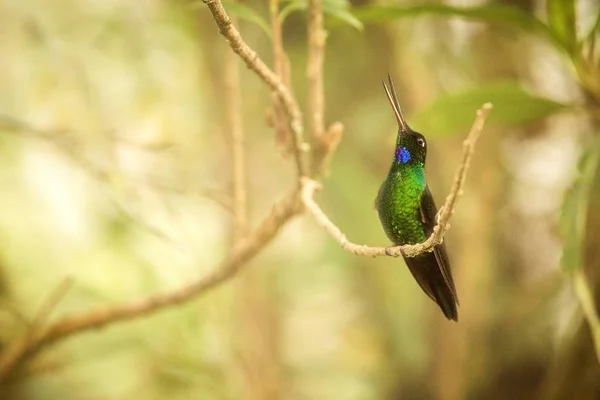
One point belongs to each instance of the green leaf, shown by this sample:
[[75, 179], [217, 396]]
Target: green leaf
[[291, 7], [347, 17], [595, 28], [574, 210], [455, 112], [561, 18], [338, 9], [585, 295], [247, 13], [493, 13]]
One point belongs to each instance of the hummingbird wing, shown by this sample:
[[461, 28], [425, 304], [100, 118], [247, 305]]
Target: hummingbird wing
[[429, 214], [432, 270]]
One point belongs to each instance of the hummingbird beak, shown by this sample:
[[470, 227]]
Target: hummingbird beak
[[393, 99]]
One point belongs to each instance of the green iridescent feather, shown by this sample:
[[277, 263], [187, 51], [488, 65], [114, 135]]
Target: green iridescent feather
[[407, 213], [398, 204]]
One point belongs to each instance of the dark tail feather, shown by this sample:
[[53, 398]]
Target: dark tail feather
[[435, 280]]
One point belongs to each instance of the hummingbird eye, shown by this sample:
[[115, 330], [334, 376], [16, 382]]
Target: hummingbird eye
[[421, 142]]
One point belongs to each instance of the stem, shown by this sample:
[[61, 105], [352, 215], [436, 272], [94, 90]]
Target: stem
[[254, 62], [586, 301], [233, 124]]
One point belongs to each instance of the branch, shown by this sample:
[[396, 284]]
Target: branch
[[233, 124], [314, 68], [269, 77], [323, 151], [444, 215], [281, 66], [68, 146], [64, 141], [23, 349], [324, 141], [50, 303]]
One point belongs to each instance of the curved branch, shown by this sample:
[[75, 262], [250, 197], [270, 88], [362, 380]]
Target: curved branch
[[444, 215], [25, 348]]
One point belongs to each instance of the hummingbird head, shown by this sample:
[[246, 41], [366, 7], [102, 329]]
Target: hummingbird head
[[411, 146]]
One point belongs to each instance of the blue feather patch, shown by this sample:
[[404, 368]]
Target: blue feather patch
[[402, 155]]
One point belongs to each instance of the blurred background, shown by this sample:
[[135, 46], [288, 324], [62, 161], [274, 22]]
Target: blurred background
[[115, 181]]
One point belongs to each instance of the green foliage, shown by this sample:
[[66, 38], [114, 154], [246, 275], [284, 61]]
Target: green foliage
[[337, 9], [561, 19], [248, 14], [575, 208], [585, 295], [595, 29], [495, 13], [560, 31], [454, 112]]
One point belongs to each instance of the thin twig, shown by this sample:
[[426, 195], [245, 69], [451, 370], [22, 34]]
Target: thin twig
[[233, 124], [281, 67], [269, 77], [50, 303], [25, 348], [323, 152], [446, 212], [321, 139], [68, 146], [314, 68], [63, 141]]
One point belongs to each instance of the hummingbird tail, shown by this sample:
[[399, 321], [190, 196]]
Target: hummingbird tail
[[435, 280]]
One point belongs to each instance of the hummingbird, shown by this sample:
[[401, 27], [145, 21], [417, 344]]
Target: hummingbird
[[408, 213]]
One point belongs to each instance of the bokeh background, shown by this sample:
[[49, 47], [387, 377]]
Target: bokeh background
[[115, 174]]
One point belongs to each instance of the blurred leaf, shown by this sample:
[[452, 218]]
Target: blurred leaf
[[595, 28], [585, 296], [346, 16], [247, 13], [574, 210], [291, 7], [561, 17], [496, 13], [335, 8], [574, 219], [455, 112]]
